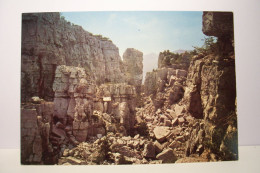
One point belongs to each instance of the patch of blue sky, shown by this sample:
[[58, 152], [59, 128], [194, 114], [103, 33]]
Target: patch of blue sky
[[147, 31]]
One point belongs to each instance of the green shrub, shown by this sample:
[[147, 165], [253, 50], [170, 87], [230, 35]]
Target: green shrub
[[210, 46]]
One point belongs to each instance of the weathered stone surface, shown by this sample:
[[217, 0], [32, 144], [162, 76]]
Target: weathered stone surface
[[122, 103], [94, 112], [211, 93], [161, 132], [150, 83], [220, 24], [181, 120], [217, 23], [30, 139], [70, 160], [149, 150], [158, 147], [175, 144], [74, 91], [58, 132], [60, 107], [133, 61], [181, 73], [48, 41], [175, 121], [178, 109], [167, 156], [35, 132], [175, 94]]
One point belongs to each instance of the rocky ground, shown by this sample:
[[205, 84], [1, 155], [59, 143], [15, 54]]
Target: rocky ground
[[184, 112]]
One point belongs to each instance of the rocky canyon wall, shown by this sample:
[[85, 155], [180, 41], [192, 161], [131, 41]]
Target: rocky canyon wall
[[48, 40], [80, 111], [211, 91], [92, 90], [133, 61], [90, 106], [204, 103]]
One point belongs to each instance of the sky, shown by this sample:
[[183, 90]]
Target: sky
[[146, 31]]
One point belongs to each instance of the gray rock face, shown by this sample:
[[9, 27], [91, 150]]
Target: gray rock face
[[150, 83], [30, 140], [35, 132], [122, 103], [74, 97], [93, 115], [133, 61], [160, 78], [211, 91], [49, 41], [211, 95]]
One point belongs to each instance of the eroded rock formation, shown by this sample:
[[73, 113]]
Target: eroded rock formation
[[220, 24], [212, 85], [48, 40], [133, 61], [186, 115]]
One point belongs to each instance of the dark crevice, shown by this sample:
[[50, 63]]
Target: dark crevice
[[41, 78]]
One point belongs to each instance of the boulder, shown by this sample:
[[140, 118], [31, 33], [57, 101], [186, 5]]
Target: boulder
[[158, 147], [167, 156], [178, 109], [181, 120], [149, 150], [161, 132]]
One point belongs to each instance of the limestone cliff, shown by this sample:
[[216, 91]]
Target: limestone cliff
[[211, 91], [80, 111], [48, 40], [133, 61], [98, 113], [204, 104]]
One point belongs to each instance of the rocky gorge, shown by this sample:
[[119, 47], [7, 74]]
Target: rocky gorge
[[82, 104]]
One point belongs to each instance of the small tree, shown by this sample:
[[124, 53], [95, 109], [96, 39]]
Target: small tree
[[210, 46]]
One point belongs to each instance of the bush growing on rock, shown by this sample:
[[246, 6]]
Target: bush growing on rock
[[210, 46]]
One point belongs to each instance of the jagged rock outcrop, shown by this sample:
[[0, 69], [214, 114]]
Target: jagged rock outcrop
[[133, 61], [166, 85], [186, 114], [220, 24], [217, 24], [35, 132], [161, 78], [211, 92], [31, 139], [118, 100], [73, 102], [211, 96], [173, 60], [48, 40]]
